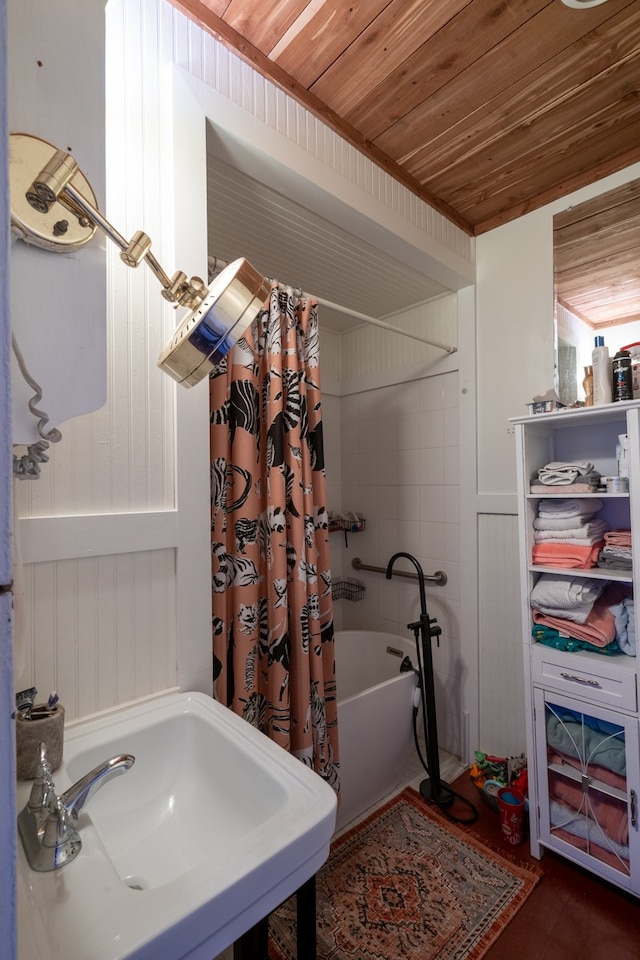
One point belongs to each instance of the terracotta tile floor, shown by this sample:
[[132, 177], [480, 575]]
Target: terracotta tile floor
[[571, 914]]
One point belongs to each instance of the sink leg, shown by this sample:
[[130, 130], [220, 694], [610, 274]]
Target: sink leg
[[306, 912], [254, 944]]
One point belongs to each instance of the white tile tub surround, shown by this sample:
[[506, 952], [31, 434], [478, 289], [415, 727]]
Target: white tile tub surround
[[401, 471]]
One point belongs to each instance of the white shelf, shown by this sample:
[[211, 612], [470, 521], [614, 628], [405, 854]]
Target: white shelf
[[597, 573], [577, 496]]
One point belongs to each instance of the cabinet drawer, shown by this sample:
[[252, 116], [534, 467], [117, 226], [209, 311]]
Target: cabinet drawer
[[586, 680]]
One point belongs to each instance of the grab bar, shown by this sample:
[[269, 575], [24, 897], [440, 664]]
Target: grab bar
[[439, 577]]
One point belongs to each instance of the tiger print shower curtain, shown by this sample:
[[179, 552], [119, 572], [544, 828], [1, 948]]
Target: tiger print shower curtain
[[273, 642]]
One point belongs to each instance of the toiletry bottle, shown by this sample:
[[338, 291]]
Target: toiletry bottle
[[622, 385], [602, 392]]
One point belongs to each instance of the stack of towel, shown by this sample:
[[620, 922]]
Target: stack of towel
[[566, 535], [571, 613], [573, 477], [595, 821], [616, 553]]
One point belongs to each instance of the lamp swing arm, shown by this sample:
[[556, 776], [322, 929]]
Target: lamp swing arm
[[54, 184], [42, 194]]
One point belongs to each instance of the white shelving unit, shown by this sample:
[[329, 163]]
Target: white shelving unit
[[583, 742]]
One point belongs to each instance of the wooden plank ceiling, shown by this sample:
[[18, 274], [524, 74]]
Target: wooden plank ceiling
[[596, 257], [486, 109]]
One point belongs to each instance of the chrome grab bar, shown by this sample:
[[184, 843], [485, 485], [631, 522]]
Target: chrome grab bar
[[439, 577]]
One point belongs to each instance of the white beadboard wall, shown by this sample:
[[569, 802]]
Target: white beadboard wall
[[369, 350], [100, 614], [502, 727]]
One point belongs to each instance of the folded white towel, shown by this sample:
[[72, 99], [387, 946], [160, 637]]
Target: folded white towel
[[560, 472], [569, 508], [564, 595], [579, 466], [590, 532], [559, 523]]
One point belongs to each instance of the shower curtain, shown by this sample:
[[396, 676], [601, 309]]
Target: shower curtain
[[273, 640]]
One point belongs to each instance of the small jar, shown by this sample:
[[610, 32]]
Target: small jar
[[621, 376]]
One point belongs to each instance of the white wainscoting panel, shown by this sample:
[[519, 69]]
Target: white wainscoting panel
[[103, 629], [500, 637]]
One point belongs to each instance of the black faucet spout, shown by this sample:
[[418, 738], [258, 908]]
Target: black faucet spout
[[419, 571]]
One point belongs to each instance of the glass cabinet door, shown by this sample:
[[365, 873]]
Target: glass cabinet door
[[588, 780]]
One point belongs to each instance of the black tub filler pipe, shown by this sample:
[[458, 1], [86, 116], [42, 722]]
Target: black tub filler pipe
[[433, 789]]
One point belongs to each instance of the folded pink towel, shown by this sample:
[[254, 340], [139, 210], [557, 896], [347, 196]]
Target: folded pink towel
[[609, 812], [566, 554], [618, 538], [593, 849]]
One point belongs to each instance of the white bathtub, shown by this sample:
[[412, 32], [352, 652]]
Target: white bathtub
[[375, 704]]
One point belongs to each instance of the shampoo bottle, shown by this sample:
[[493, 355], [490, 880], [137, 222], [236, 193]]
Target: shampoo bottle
[[602, 392]]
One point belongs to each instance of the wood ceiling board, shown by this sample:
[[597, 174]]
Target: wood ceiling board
[[548, 142], [533, 173], [519, 55], [307, 53], [599, 289], [383, 51], [626, 195], [580, 242], [262, 24], [530, 97], [578, 178], [402, 109], [596, 248], [492, 67], [216, 7]]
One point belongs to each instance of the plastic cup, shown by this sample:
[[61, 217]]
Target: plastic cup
[[511, 806]]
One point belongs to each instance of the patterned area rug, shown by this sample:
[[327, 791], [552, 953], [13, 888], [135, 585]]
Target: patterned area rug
[[408, 883]]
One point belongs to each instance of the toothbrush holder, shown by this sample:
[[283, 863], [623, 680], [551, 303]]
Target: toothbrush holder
[[46, 725]]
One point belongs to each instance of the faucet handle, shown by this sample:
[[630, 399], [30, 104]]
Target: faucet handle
[[43, 789], [60, 833]]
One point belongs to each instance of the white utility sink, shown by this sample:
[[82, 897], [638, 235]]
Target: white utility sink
[[211, 829]]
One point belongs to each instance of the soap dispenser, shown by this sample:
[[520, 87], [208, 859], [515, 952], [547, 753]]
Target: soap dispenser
[[602, 391]]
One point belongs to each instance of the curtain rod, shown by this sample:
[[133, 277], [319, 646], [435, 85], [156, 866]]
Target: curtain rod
[[216, 263]]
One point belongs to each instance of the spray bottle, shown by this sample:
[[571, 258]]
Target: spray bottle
[[602, 392]]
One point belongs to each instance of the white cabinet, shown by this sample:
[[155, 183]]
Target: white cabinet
[[581, 699], [587, 769]]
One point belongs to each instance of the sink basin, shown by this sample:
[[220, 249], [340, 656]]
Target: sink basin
[[211, 829]]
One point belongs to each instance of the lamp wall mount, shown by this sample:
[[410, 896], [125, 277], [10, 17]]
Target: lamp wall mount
[[46, 226], [54, 207]]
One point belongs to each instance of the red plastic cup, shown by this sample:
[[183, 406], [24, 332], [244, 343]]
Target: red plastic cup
[[511, 805]]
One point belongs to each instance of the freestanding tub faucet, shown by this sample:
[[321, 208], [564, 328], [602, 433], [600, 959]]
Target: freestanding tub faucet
[[47, 822]]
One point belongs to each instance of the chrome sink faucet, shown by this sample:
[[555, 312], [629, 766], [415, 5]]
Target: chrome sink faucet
[[47, 824]]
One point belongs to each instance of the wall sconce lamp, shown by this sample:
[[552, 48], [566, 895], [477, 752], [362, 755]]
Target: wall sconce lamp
[[53, 207]]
